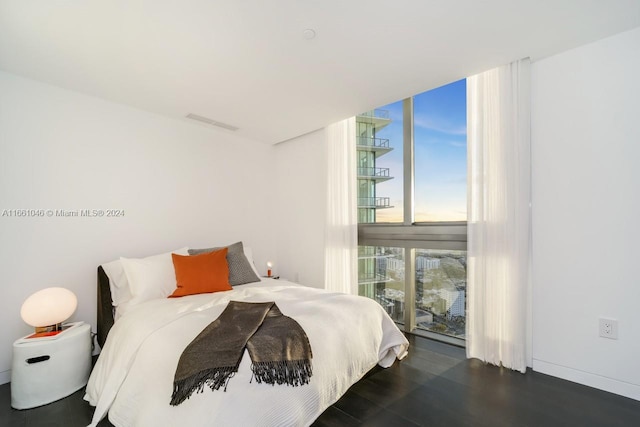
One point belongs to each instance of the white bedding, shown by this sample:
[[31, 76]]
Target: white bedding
[[133, 377]]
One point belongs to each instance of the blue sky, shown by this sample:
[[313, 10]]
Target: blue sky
[[440, 129]]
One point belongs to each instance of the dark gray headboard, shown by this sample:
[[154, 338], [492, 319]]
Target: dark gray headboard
[[105, 307]]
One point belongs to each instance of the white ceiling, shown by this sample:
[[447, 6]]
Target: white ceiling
[[247, 64]]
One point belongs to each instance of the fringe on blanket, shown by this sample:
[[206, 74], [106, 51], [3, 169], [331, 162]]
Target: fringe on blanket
[[290, 372], [213, 378]]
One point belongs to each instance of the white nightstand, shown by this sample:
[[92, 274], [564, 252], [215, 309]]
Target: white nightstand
[[45, 370]]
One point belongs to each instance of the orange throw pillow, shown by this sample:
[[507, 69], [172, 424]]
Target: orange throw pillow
[[201, 274]]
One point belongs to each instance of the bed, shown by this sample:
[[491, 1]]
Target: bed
[[133, 377]]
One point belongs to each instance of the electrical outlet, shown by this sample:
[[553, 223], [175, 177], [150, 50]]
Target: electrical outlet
[[609, 328]]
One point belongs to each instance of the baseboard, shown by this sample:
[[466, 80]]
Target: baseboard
[[622, 388], [5, 376]]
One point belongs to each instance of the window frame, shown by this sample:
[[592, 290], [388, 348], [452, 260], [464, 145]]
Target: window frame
[[411, 235]]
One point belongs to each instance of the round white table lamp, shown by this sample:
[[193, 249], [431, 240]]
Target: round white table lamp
[[47, 309]]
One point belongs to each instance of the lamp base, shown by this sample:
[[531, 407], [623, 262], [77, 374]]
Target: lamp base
[[52, 335], [51, 328]]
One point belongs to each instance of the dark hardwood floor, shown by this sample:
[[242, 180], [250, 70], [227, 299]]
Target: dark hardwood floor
[[434, 386]]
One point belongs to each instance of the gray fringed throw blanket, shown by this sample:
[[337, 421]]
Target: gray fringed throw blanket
[[278, 346]]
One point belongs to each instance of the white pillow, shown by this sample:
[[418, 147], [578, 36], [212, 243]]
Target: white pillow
[[152, 277], [249, 254], [118, 282]]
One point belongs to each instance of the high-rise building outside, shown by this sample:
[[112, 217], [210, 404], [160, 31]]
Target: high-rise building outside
[[425, 263], [454, 300], [372, 261], [369, 148]]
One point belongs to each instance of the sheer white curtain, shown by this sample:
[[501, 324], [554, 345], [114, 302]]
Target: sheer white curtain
[[341, 235], [499, 225]]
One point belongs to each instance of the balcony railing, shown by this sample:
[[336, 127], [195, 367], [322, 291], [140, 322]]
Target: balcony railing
[[373, 202], [374, 172], [372, 252], [373, 142], [377, 113], [372, 277]]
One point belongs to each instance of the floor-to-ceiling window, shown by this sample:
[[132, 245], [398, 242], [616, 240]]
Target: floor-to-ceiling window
[[412, 210]]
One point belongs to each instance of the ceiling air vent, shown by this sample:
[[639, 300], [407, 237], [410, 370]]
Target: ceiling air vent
[[211, 122]]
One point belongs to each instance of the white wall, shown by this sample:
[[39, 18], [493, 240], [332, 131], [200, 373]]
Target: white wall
[[586, 213], [179, 184], [300, 208]]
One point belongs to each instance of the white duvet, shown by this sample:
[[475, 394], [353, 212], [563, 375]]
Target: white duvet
[[133, 377]]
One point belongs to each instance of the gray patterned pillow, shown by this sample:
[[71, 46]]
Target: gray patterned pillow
[[240, 271]]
